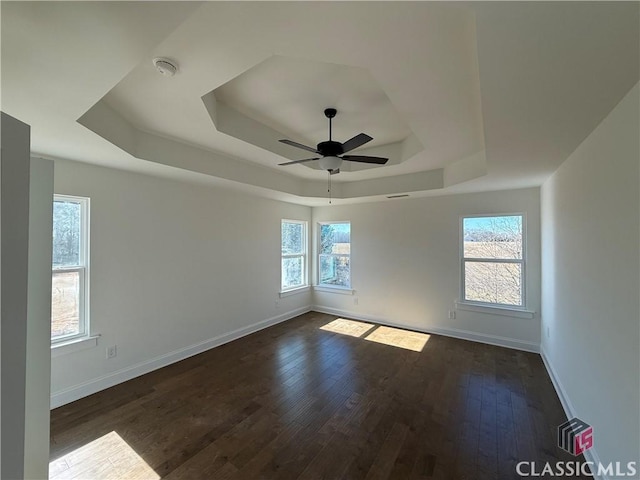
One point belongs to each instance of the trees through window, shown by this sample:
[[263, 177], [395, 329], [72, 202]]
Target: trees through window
[[493, 260], [334, 259], [69, 268], [294, 254]]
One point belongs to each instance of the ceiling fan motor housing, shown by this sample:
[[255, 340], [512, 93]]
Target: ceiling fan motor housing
[[330, 148]]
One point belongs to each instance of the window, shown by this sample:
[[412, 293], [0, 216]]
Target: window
[[70, 272], [334, 258], [493, 260], [294, 254]]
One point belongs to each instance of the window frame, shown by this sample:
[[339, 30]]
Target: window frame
[[304, 255], [320, 255], [82, 268], [521, 261]]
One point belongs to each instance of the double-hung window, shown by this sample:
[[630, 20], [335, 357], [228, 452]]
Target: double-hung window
[[334, 258], [70, 269], [493, 260], [294, 254]]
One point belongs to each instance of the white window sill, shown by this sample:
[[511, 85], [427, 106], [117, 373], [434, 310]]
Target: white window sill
[[294, 291], [329, 289], [495, 310], [75, 345]]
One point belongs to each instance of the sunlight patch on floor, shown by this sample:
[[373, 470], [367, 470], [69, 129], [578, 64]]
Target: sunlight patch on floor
[[108, 457], [347, 327], [397, 337], [394, 337]]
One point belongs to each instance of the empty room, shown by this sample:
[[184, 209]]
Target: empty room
[[320, 240]]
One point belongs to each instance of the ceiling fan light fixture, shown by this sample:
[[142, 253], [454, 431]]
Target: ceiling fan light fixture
[[330, 162]]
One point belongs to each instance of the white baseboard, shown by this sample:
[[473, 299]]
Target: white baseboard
[[448, 332], [90, 387], [590, 455], [564, 399]]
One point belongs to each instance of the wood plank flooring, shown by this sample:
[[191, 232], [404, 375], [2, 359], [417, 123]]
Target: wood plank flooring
[[300, 401]]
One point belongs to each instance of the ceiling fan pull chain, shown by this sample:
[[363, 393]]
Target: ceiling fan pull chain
[[329, 188]]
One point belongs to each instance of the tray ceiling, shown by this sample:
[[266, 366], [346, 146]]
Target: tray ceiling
[[461, 97]]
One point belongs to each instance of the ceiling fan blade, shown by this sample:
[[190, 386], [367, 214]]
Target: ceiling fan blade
[[299, 161], [299, 145], [355, 142], [365, 159]]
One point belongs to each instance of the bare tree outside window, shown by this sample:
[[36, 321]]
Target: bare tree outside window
[[335, 254], [493, 260], [294, 254], [69, 268]]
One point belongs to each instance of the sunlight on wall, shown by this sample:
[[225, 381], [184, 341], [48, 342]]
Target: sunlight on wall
[[348, 327], [394, 337], [106, 457]]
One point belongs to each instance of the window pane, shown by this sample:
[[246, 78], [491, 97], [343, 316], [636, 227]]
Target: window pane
[[335, 238], [65, 304], [66, 233], [292, 272], [334, 270], [493, 282], [292, 238], [493, 237]]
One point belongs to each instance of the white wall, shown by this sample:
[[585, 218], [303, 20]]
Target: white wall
[[14, 165], [405, 265], [38, 366], [591, 286], [1, 371], [176, 268]]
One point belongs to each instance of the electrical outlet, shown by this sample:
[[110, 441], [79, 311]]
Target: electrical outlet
[[112, 351], [355, 300], [452, 314]]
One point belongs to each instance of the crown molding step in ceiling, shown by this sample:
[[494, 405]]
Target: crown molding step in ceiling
[[459, 97]]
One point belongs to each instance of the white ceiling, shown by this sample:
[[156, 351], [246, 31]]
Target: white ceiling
[[283, 92], [461, 97]]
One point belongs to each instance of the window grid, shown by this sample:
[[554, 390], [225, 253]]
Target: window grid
[[293, 274], [514, 282], [70, 279], [334, 267]]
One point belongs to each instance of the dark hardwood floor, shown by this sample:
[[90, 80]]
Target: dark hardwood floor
[[294, 401]]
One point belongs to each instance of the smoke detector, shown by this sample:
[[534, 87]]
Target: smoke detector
[[166, 67]]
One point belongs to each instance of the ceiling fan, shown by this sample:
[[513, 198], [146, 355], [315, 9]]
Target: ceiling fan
[[332, 153]]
